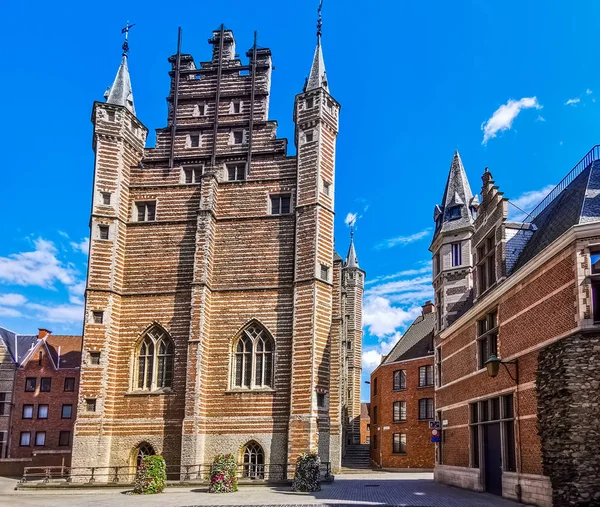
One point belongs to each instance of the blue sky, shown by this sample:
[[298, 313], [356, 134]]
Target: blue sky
[[416, 81]]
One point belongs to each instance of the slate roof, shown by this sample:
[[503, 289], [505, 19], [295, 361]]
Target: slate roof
[[417, 341], [18, 345], [351, 259], [318, 76], [457, 193], [578, 203], [120, 93]]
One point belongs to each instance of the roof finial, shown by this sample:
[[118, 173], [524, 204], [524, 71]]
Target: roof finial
[[126, 41], [319, 20]]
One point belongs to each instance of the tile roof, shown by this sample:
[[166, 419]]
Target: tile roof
[[67, 347], [417, 341]]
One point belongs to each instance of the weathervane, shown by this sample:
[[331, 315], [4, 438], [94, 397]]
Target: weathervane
[[126, 42], [320, 19]]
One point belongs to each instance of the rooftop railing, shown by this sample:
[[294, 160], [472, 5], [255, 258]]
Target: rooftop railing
[[590, 156]]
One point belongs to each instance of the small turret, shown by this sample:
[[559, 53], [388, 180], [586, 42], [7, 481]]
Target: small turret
[[120, 93]]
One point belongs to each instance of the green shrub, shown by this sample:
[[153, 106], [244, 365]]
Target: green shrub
[[223, 473], [151, 476], [307, 475]]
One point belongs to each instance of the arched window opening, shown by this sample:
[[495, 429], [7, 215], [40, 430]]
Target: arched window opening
[[144, 449], [155, 361], [254, 461], [253, 359]]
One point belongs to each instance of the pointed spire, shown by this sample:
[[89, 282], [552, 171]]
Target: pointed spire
[[351, 259], [456, 209], [318, 76], [120, 93]]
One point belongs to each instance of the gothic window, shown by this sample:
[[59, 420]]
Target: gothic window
[[253, 359], [399, 380], [154, 365], [254, 461], [143, 450]]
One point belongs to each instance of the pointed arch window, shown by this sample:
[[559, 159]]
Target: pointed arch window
[[154, 364], [253, 359]]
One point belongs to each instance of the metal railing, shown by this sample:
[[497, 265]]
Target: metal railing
[[590, 156], [125, 475]]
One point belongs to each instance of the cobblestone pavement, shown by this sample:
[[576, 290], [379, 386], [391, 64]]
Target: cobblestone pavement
[[374, 489]]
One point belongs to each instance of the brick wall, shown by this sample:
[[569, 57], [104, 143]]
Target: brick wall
[[419, 449]]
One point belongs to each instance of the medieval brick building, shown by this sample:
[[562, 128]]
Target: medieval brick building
[[517, 337], [218, 316]]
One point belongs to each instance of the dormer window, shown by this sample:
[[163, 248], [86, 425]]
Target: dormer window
[[453, 212]]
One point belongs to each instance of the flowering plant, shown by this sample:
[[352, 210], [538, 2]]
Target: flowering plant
[[223, 474], [307, 475], [150, 476]]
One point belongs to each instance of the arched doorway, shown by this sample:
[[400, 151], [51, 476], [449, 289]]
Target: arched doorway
[[142, 450], [254, 461]]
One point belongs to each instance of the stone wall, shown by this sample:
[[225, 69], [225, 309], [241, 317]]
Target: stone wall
[[568, 381]]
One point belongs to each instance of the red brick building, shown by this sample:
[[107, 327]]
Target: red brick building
[[218, 316], [365, 423], [526, 294], [402, 399], [45, 398]]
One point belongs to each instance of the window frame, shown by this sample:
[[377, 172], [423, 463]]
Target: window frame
[[399, 446], [45, 381], [62, 411], [324, 272], [91, 403], [456, 251], [104, 232], [401, 384], [158, 348], [37, 435], [194, 140], [236, 167], [401, 416], [94, 357], [486, 263], [97, 316], [236, 104], [279, 210], [3, 404], [28, 406], [28, 382], [145, 211], [255, 359], [427, 379], [193, 173], [426, 409], [21, 435], [326, 187], [72, 390], [487, 334], [594, 278], [106, 196], [60, 438], [40, 406]]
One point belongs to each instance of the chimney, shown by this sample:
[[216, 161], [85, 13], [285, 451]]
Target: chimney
[[42, 333], [428, 307]]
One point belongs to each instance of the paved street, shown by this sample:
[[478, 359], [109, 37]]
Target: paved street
[[381, 488]]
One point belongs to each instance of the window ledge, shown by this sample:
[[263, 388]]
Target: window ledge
[[399, 390], [399, 453], [425, 420], [258, 390], [404, 421], [158, 392], [428, 386]]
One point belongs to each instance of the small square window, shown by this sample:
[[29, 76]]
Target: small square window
[[95, 358], [235, 107], [310, 136], [106, 198], [326, 187], [236, 172], [45, 384], [199, 110], [64, 438], [146, 211], [320, 400], [70, 384], [30, 383], [310, 103], [192, 174], [110, 115], [98, 317], [27, 412], [90, 404], [103, 231], [42, 412], [66, 412], [194, 141], [25, 439], [280, 204], [237, 137], [324, 272], [40, 438]]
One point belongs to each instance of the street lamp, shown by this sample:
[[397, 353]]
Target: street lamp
[[493, 367]]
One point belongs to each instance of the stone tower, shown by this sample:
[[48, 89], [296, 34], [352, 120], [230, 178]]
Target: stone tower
[[451, 247], [215, 311], [353, 281]]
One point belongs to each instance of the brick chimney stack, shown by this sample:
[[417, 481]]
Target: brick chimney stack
[[428, 307], [42, 333]]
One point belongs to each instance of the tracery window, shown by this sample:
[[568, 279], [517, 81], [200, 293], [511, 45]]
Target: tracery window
[[254, 461], [253, 359], [154, 365]]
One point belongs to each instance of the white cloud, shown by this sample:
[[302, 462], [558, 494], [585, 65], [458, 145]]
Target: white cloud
[[350, 219], [540, 118], [572, 102], [12, 299], [9, 312], [65, 313], [504, 116], [526, 202], [399, 286], [403, 240], [382, 319], [40, 267], [400, 274], [370, 360], [83, 246], [588, 92]]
